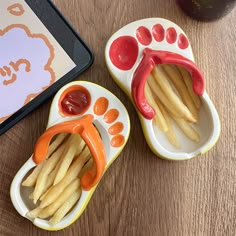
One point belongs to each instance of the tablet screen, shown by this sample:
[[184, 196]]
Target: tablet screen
[[31, 59]]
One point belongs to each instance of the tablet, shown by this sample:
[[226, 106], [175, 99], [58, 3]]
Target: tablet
[[39, 53]]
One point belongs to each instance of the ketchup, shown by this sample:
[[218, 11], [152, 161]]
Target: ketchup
[[76, 101]]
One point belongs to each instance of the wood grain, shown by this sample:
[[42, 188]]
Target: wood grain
[[141, 194]]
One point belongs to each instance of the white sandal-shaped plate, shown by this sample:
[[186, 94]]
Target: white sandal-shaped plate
[[131, 53], [102, 110]]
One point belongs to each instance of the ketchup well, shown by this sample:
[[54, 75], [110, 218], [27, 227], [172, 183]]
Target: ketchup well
[[75, 100]]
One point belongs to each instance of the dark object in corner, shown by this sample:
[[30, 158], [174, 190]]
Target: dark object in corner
[[206, 10]]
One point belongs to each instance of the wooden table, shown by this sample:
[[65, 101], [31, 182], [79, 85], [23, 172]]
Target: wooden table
[[141, 194]]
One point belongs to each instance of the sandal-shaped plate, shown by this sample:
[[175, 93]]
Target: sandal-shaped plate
[[131, 53], [102, 110]]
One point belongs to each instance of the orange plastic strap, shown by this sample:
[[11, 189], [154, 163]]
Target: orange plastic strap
[[89, 134]]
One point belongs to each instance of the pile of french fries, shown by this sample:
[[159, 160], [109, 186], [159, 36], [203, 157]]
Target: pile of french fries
[[169, 91], [56, 181]]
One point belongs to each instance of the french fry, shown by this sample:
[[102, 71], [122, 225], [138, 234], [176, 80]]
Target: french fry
[[71, 174], [56, 143], [32, 178], [61, 197], [161, 95], [170, 133], [34, 213], [88, 165], [76, 146], [85, 152], [159, 119], [45, 193], [164, 84], [51, 163], [50, 179], [52, 208], [65, 207], [183, 125], [188, 81], [176, 78], [188, 130], [48, 183], [42, 178]]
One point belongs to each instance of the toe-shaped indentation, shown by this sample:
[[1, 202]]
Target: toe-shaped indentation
[[116, 128], [100, 106], [111, 116], [117, 141], [143, 35], [171, 35], [183, 41], [158, 32], [124, 52]]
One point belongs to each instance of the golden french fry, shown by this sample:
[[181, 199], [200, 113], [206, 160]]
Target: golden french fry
[[71, 174], [176, 78], [76, 146], [65, 207], [45, 193], [161, 96], [56, 143], [170, 133], [32, 178], [159, 119], [54, 172], [34, 213], [51, 163], [85, 152], [162, 80], [88, 165], [188, 130], [50, 179], [188, 81], [42, 178], [51, 209]]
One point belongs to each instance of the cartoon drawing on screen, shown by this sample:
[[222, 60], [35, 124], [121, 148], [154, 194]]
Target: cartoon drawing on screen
[[23, 73], [16, 9]]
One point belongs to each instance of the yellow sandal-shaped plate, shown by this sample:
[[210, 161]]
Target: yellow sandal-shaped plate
[[111, 120]]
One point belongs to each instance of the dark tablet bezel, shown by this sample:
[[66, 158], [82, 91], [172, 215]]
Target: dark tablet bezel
[[70, 42]]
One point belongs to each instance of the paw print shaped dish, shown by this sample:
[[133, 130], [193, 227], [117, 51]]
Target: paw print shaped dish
[[152, 61], [103, 125]]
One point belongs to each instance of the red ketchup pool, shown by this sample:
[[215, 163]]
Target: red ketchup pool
[[75, 101]]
